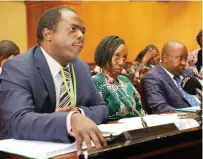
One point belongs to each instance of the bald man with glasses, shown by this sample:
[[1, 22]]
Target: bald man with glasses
[[162, 90]]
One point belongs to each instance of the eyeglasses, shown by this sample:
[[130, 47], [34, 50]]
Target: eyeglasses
[[179, 58]]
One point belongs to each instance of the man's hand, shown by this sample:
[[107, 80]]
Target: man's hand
[[67, 109], [84, 129]]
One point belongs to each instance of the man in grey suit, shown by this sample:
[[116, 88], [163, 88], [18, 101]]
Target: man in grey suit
[[162, 91], [47, 93]]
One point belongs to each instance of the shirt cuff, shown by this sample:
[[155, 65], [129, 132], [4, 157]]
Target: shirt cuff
[[81, 111], [68, 120]]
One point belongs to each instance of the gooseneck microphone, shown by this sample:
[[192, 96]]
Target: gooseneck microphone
[[192, 86]]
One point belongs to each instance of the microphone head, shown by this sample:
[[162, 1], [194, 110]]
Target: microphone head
[[190, 84]]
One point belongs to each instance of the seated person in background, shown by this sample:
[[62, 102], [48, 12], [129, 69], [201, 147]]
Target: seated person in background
[[162, 90], [50, 96], [195, 59], [198, 65], [8, 49], [137, 62], [192, 59], [149, 57], [146, 59], [117, 90]]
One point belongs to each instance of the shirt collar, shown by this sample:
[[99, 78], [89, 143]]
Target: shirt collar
[[170, 74], [54, 66]]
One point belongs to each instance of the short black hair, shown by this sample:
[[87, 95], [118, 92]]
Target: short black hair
[[49, 20], [198, 38], [106, 49], [8, 48]]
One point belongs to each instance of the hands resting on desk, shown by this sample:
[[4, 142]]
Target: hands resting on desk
[[84, 129], [86, 132]]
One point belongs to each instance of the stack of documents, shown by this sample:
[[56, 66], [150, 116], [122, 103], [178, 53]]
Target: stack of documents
[[44, 150], [151, 120]]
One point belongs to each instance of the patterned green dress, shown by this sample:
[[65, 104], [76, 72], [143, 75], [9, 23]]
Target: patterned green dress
[[120, 95]]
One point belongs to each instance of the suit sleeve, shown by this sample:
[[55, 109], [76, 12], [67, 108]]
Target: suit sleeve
[[95, 107], [154, 94], [18, 109]]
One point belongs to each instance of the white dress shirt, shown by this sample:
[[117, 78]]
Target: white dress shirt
[[55, 69], [171, 75], [0, 70]]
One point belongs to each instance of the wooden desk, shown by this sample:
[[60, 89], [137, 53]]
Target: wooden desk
[[183, 144]]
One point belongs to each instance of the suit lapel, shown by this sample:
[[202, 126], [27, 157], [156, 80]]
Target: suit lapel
[[76, 69], [45, 73], [169, 80]]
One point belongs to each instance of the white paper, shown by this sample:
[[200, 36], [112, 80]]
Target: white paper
[[36, 149], [118, 128], [44, 150], [151, 120]]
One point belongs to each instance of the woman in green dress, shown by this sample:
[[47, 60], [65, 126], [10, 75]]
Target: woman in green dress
[[121, 97]]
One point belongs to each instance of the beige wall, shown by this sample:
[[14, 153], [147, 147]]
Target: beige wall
[[140, 24], [13, 23]]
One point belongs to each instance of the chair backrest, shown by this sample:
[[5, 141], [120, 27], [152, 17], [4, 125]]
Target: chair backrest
[[141, 92]]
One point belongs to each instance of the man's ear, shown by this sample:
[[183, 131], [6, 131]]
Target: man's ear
[[47, 34]]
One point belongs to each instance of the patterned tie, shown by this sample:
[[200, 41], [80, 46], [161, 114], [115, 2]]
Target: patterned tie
[[190, 98], [64, 97]]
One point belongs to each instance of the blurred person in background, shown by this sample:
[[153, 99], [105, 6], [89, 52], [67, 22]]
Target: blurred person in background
[[8, 49]]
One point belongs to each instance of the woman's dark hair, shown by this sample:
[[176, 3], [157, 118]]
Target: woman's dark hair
[[143, 52], [106, 49], [140, 56], [199, 60], [148, 47], [198, 38]]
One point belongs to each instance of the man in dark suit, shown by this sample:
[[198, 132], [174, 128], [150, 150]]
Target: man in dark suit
[[162, 91], [47, 93]]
